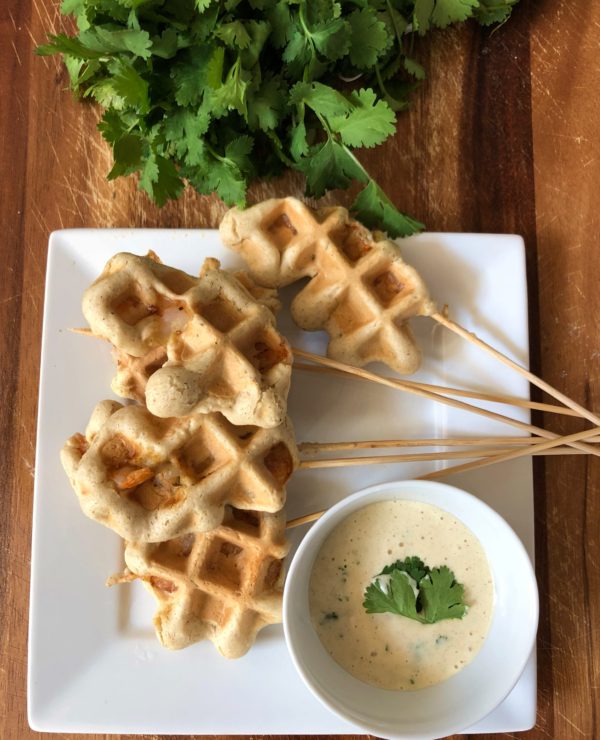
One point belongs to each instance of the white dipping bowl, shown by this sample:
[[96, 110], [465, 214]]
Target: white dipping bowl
[[467, 696]]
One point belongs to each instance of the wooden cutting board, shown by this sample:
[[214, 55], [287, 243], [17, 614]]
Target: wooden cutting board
[[503, 137]]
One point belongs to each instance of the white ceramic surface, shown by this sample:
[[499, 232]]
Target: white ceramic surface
[[470, 694], [94, 663]]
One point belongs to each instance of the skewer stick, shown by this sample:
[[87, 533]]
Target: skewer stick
[[541, 448], [512, 454], [447, 391], [342, 462], [313, 448], [430, 395], [531, 377], [306, 519]]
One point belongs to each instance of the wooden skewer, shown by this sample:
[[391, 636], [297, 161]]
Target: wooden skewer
[[447, 391], [291, 523], [512, 454], [531, 377], [313, 448], [394, 383], [341, 462], [539, 449], [572, 407]]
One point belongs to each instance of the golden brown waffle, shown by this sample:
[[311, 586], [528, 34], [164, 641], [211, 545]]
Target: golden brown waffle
[[133, 372], [224, 585], [361, 291], [151, 479], [192, 345]]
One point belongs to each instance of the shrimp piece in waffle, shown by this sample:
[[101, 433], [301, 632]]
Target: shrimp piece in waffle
[[223, 585], [360, 290], [152, 479]]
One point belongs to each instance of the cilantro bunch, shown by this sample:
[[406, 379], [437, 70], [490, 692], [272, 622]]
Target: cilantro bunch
[[219, 93], [416, 591]]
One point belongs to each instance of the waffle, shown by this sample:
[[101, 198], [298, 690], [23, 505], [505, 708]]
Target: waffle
[[188, 345], [152, 479], [361, 291], [224, 585], [133, 372]]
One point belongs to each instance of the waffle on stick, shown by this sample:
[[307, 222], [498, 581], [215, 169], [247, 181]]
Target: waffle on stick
[[133, 372], [152, 479], [188, 345], [224, 585], [360, 290]]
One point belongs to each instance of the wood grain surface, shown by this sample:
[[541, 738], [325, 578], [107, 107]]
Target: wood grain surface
[[502, 138]]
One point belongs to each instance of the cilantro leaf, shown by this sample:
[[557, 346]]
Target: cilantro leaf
[[189, 74], [368, 123], [112, 125], [298, 48], [259, 33], [280, 20], [72, 6], [414, 68], [214, 68], [184, 130], [127, 153], [78, 10], [414, 590], [108, 42], [446, 12], [492, 11], [332, 38], [320, 11], [62, 44], [298, 143], [422, 15], [166, 45], [234, 34], [321, 98], [80, 71], [441, 596], [220, 176], [374, 209], [238, 151], [398, 597], [328, 166], [414, 566], [265, 106], [369, 37], [160, 179], [232, 94], [229, 183], [130, 86], [226, 174]]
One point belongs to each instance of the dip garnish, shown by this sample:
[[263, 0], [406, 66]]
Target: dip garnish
[[416, 591]]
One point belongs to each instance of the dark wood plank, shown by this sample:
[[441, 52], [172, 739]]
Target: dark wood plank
[[14, 522], [565, 118]]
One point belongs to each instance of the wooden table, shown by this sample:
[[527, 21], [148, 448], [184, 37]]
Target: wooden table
[[503, 138]]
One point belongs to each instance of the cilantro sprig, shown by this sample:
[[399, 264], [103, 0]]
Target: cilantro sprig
[[416, 591], [218, 93]]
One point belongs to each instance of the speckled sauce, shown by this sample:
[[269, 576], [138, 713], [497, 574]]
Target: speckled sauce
[[388, 650]]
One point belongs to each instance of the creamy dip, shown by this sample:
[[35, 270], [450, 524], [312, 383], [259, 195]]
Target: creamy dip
[[388, 650]]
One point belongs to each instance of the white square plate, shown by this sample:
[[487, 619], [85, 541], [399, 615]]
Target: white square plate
[[94, 663]]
